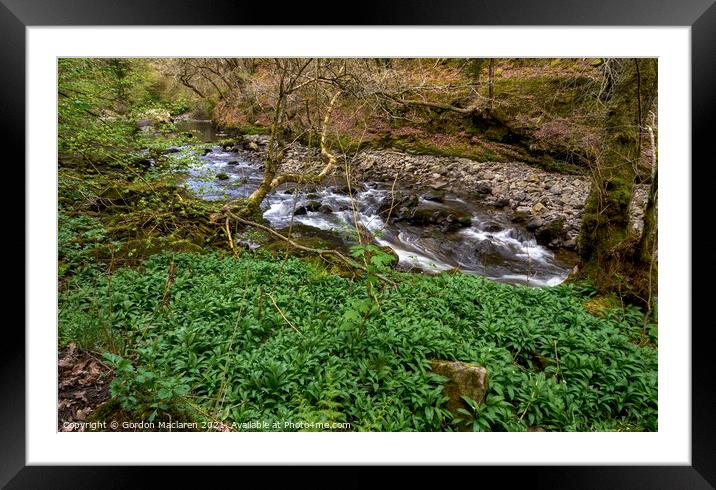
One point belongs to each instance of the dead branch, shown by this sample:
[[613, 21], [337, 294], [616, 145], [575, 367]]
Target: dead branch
[[434, 105], [284, 316]]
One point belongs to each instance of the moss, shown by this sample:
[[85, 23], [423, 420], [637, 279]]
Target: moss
[[307, 237], [599, 305], [619, 193], [133, 252]]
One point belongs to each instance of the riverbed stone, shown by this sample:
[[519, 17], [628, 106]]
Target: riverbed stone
[[435, 196], [501, 203], [439, 184], [534, 223], [446, 219], [551, 233], [483, 188]]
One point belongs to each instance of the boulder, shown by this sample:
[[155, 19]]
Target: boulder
[[489, 253], [534, 223], [313, 206], [463, 379], [538, 208], [233, 162], [551, 233], [435, 196], [520, 217], [222, 176], [154, 116], [143, 123], [483, 189], [439, 184], [501, 203], [310, 206], [365, 236], [491, 227], [352, 190], [446, 219], [398, 206]]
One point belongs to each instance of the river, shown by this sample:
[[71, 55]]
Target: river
[[489, 244]]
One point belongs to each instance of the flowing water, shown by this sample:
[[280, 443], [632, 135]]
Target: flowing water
[[491, 245]]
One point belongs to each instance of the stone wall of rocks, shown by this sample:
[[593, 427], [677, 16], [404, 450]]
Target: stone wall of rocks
[[546, 202]]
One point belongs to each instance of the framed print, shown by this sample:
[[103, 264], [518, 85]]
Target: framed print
[[425, 237]]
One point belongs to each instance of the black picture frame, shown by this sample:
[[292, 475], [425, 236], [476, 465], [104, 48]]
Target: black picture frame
[[16, 15]]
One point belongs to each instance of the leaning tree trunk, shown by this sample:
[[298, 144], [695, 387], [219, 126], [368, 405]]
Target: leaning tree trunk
[[611, 256]]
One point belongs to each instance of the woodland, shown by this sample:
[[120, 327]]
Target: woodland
[[363, 244]]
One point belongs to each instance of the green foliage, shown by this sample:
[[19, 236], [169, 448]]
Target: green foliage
[[77, 237], [143, 393], [94, 97], [99, 102], [214, 330], [376, 260]]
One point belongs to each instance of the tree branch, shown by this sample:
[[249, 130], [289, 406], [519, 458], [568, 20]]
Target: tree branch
[[433, 105], [305, 178], [335, 253]]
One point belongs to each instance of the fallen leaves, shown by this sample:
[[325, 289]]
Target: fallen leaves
[[82, 386]]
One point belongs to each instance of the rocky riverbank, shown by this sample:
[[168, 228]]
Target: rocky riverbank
[[549, 204]]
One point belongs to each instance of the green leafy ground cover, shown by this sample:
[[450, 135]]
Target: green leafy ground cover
[[206, 340]]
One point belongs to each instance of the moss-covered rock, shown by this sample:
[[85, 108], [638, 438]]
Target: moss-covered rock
[[463, 380]]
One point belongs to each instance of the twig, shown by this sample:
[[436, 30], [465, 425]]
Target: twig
[[284, 316], [229, 237], [318, 251]]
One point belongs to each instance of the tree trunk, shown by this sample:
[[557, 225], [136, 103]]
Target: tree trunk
[[490, 80], [610, 255], [271, 177]]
